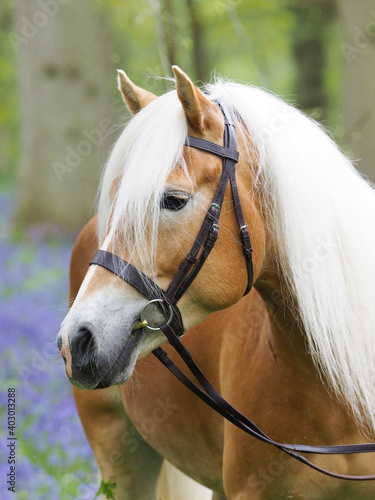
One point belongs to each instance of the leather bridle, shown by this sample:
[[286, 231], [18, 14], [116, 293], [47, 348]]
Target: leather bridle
[[166, 302]]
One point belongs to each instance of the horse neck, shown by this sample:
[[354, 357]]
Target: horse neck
[[281, 306], [288, 336]]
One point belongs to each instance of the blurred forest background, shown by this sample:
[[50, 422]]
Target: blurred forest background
[[60, 110]]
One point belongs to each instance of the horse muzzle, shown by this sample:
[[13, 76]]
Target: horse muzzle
[[91, 366], [99, 352]]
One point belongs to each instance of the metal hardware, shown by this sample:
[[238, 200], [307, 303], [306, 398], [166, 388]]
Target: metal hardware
[[142, 314], [141, 324]]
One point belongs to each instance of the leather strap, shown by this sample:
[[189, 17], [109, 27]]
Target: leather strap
[[183, 279], [213, 148], [140, 281], [206, 238], [128, 273], [211, 397]]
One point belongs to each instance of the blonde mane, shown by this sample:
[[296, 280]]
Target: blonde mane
[[147, 151], [322, 216]]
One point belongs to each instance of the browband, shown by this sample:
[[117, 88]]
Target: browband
[[211, 147]]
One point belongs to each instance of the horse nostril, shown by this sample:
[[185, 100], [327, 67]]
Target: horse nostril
[[83, 347], [59, 342]]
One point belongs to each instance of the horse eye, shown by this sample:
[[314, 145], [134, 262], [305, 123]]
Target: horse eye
[[174, 202]]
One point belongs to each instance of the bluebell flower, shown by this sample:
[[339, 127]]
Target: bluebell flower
[[33, 302]]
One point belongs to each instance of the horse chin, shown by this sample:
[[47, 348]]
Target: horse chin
[[150, 343]]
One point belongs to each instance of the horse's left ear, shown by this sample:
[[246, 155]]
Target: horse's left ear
[[134, 97], [197, 107]]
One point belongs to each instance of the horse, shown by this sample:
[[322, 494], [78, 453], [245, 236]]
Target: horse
[[296, 353]]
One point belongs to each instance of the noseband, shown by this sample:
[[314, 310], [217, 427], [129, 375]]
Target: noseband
[[166, 301]]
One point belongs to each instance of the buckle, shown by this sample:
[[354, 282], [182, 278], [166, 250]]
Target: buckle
[[246, 241], [212, 235], [214, 232], [213, 211]]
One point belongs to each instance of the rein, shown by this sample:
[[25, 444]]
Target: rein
[[167, 303]]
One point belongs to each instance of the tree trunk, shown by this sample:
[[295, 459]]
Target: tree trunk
[[166, 33], [199, 63], [309, 45], [8, 103], [170, 31], [358, 47], [168, 38], [66, 110]]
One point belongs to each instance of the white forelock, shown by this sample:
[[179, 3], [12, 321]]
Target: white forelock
[[147, 151]]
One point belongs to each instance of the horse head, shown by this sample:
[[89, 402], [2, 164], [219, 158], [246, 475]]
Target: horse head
[[155, 195]]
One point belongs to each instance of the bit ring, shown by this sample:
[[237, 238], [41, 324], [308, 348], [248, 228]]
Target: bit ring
[[142, 314]]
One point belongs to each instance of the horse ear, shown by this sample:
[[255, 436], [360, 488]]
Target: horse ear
[[196, 106], [134, 97]]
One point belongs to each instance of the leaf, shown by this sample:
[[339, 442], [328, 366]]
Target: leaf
[[106, 488]]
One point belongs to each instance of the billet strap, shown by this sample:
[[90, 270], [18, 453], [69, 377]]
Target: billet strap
[[213, 399]]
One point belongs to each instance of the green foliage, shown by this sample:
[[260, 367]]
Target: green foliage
[[255, 41], [106, 488], [246, 40], [9, 119], [333, 83], [134, 41]]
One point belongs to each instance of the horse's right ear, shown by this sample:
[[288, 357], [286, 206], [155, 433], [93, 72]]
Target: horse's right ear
[[134, 97], [199, 111]]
